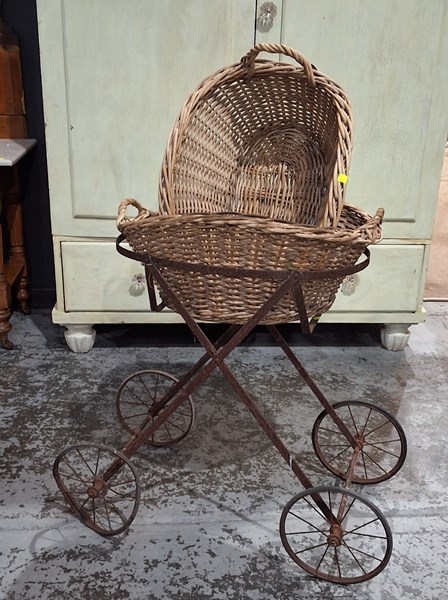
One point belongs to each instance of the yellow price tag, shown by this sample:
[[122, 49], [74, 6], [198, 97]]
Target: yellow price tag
[[342, 178]]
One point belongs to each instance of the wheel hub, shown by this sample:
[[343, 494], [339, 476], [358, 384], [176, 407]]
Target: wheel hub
[[335, 537], [94, 490]]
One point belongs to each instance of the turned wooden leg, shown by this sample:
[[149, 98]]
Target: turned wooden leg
[[5, 300], [17, 259], [5, 328]]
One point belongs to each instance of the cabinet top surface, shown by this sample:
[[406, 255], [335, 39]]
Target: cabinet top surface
[[11, 151]]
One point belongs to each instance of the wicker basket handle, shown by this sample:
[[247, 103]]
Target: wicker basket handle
[[249, 59], [122, 218], [373, 226]]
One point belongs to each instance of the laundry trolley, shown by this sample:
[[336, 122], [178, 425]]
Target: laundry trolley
[[252, 229]]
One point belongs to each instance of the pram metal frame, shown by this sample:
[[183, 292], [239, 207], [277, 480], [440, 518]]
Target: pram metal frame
[[215, 354], [214, 357]]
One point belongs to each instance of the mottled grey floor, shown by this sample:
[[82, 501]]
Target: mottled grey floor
[[207, 526]]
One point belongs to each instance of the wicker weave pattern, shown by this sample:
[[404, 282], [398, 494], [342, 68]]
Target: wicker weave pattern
[[249, 243], [261, 134]]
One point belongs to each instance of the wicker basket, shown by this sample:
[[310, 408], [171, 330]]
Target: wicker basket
[[261, 138], [251, 181], [247, 243]]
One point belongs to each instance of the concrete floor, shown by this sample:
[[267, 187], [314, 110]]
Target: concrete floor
[[207, 526]]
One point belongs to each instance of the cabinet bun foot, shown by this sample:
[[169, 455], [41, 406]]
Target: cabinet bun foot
[[395, 336], [80, 338]]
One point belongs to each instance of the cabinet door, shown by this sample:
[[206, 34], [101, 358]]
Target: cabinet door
[[115, 74], [390, 58]]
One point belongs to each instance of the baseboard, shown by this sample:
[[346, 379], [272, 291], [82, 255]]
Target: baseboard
[[42, 298]]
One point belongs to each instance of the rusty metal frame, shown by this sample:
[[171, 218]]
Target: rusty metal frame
[[215, 354]]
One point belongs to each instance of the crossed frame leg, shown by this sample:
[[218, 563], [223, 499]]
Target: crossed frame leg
[[214, 358]]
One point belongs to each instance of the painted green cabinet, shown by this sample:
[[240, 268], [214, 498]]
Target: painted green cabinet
[[115, 74]]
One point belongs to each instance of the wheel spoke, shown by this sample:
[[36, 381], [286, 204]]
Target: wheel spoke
[[348, 510], [94, 511], [115, 502], [67, 476], [157, 385], [183, 414], [376, 428], [308, 522], [383, 450], [122, 495], [305, 532], [134, 415], [153, 398], [374, 461], [126, 482], [363, 553], [367, 420], [312, 548], [107, 515], [385, 441], [336, 555], [167, 430], [85, 462], [333, 445], [368, 535], [84, 503], [339, 454], [175, 426], [319, 512], [337, 431], [361, 526], [353, 420], [97, 462], [75, 492], [354, 557], [130, 404], [139, 398], [322, 557]]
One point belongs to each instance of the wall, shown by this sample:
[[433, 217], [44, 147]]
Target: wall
[[21, 16]]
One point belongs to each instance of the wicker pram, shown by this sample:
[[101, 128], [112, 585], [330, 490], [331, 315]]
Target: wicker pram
[[253, 178], [252, 230]]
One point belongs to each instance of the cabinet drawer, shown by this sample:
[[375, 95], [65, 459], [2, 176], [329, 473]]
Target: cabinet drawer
[[97, 278], [390, 283]]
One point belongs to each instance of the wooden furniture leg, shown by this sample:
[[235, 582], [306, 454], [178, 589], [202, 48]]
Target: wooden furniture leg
[[13, 268], [17, 260], [5, 298]]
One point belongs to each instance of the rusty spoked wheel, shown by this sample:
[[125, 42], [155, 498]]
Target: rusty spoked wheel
[[101, 485], [380, 437], [353, 546], [135, 401]]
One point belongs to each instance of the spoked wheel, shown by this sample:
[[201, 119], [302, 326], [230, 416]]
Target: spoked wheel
[[379, 435], [101, 486], [137, 396], [353, 546]]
